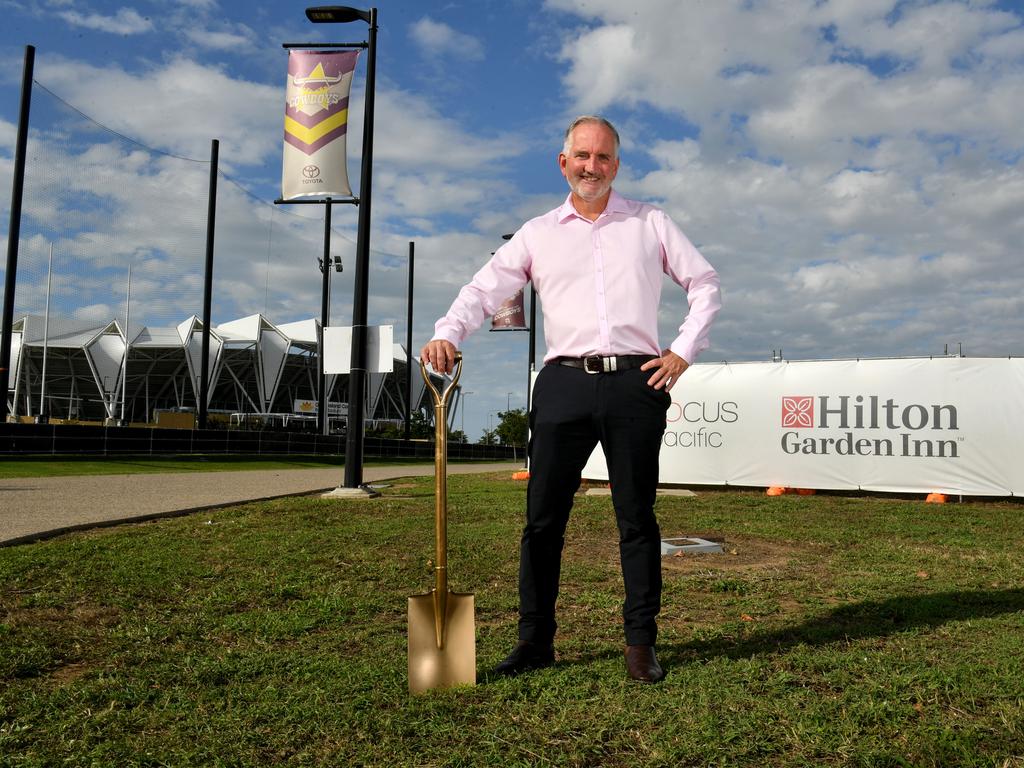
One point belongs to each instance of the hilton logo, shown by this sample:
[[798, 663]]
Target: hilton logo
[[798, 412], [871, 415]]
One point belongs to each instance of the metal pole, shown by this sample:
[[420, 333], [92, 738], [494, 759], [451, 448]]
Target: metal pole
[[323, 421], [46, 337], [14, 228], [211, 229], [357, 375], [408, 347], [127, 335]]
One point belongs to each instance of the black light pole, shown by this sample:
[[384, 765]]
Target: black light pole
[[339, 14], [323, 421], [14, 229], [531, 364], [211, 228]]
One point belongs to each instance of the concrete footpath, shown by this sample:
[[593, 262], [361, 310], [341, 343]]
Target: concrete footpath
[[33, 508]]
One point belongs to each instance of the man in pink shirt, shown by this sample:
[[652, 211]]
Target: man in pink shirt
[[597, 263]]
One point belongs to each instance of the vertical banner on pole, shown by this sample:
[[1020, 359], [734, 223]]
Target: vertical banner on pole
[[510, 316], [316, 123]]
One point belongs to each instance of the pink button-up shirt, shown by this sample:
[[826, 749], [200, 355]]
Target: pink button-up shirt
[[599, 282]]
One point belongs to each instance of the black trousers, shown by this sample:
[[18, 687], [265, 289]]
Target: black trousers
[[572, 412]]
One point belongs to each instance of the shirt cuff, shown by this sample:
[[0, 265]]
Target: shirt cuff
[[687, 349], [447, 334]]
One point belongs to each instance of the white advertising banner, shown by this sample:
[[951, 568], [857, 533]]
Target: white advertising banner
[[379, 349], [948, 425]]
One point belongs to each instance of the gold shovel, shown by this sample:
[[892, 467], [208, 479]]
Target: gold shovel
[[442, 639]]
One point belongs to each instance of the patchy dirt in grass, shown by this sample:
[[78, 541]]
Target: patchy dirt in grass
[[742, 554], [78, 616], [69, 673]]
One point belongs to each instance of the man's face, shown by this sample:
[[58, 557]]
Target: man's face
[[591, 164]]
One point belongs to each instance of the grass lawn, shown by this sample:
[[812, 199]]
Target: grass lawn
[[834, 631], [113, 465]]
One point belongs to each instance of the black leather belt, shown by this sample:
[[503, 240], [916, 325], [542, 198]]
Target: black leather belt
[[602, 364]]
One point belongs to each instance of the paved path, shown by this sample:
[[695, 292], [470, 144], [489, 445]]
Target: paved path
[[34, 508]]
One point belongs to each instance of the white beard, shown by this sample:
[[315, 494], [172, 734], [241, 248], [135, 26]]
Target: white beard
[[589, 192]]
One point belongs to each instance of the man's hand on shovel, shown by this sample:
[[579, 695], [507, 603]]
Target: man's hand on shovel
[[439, 354]]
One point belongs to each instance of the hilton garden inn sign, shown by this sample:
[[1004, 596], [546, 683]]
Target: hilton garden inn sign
[[952, 425]]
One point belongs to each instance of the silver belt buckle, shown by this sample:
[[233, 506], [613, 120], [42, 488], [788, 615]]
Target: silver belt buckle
[[596, 361]]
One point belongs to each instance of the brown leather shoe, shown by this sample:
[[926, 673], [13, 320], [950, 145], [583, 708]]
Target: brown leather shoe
[[642, 664], [525, 657]]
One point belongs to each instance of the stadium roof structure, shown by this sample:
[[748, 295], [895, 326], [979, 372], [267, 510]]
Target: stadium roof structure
[[256, 368]]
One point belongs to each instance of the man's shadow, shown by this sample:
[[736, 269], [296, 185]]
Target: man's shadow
[[870, 618]]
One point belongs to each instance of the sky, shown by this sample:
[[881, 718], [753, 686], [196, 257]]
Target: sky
[[852, 168]]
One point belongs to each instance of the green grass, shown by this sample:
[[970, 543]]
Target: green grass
[[834, 631], [68, 466]]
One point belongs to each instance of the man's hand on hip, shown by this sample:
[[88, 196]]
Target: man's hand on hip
[[439, 354], [667, 370]]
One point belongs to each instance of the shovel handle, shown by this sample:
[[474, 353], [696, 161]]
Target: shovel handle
[[443, 398], [441, 494]]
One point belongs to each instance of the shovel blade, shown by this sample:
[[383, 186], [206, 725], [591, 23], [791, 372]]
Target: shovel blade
[[454, 663]]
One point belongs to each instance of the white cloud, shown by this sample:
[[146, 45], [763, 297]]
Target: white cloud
[[224, 40], [854, 169], [126, 21], [1004, 48], [410, 130], [178, 107], [435, 38], [931, 38]]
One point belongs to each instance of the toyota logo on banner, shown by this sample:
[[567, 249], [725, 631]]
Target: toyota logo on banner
[[311, 171]]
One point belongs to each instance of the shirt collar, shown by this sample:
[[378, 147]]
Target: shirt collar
[[616, 204]]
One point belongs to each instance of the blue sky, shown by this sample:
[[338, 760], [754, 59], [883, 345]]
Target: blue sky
[[852, 167]]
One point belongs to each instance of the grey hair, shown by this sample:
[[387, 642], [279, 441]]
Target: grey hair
[[588, 120]]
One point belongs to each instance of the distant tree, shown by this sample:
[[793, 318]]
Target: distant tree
[[512, 427], [489, 437], [419, 428]]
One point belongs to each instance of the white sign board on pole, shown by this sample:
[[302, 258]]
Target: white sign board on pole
[[379, 349], [948, 425]]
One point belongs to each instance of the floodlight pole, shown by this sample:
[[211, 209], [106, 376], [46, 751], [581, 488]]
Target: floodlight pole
[[357, 374], [14, 228], [211, 229], [127, 337], [43, 413], [408, 348]]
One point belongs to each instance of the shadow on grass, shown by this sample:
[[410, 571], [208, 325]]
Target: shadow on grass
[[872, 618]]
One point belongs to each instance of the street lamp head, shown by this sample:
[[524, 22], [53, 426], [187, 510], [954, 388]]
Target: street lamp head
[[336, 14]]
